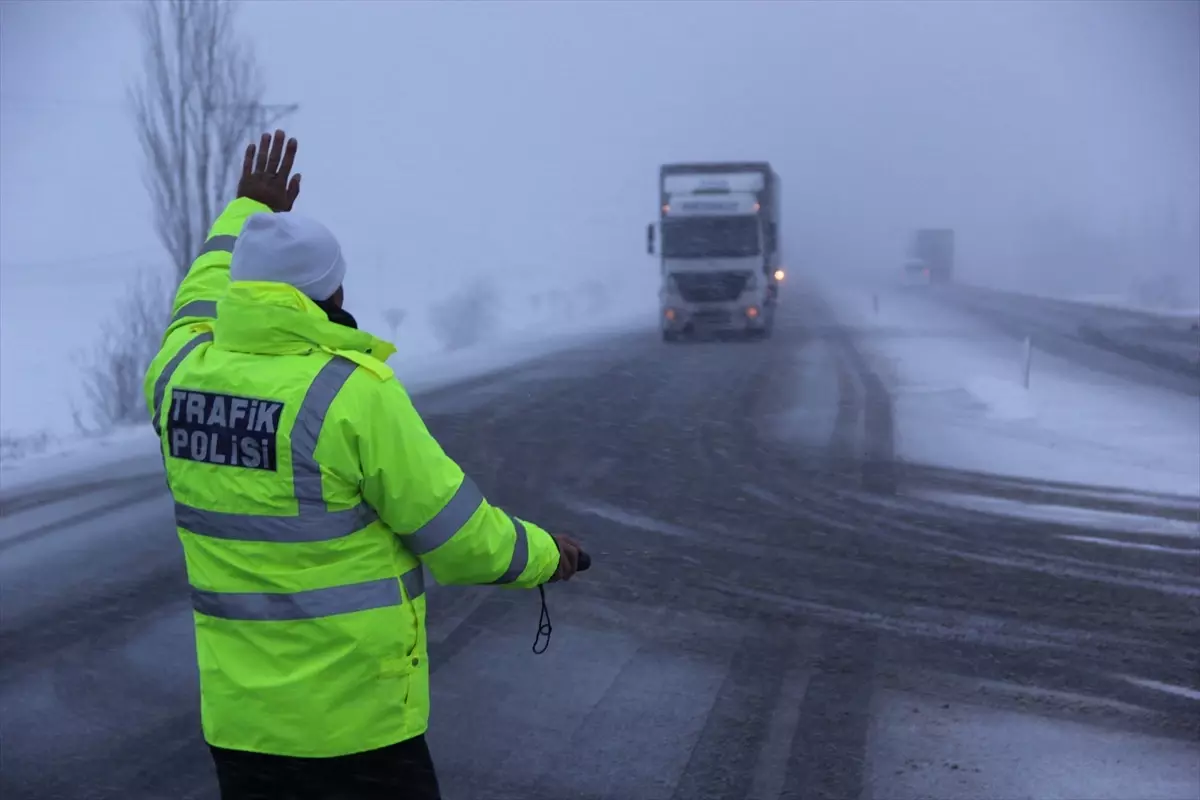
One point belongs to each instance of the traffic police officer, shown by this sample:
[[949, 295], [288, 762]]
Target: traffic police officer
[[308, 495]]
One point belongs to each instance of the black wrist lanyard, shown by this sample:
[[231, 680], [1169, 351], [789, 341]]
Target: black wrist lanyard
[[544, 626]]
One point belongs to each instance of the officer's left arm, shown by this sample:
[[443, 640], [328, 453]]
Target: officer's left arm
[[205, 282], [437, 511]]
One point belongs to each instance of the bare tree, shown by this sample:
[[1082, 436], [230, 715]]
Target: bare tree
[[121, 351], [196, 105], [466, 317], [200, 100]]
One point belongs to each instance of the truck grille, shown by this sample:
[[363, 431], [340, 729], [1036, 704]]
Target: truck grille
[[718, 319], [711, 287]]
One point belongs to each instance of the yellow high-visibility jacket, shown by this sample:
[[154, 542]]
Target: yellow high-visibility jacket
[[308, 495]]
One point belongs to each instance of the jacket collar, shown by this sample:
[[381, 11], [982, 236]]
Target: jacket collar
[[277, 319]]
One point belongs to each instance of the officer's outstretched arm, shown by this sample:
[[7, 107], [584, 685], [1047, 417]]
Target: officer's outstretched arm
[[440, 515], [196, 299], [208, 276]]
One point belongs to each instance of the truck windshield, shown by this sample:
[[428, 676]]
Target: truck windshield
[[710, 237]]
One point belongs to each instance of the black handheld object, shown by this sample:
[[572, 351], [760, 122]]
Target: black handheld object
[[544, 627]]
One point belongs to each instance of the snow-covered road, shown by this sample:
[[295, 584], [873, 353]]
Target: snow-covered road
[[756, 624]]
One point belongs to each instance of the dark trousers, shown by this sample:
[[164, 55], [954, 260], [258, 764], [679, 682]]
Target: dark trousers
[[402, 771]]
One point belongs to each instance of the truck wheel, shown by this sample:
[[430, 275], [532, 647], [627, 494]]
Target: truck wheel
[[670, 336]]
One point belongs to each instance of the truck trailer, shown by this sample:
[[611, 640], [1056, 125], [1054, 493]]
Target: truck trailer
[[720, 248], [931, 256]]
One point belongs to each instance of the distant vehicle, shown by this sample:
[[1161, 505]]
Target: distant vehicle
[[719, 259], [930, 256], [916, 273]]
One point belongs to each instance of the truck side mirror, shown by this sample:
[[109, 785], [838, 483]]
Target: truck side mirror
[[771, 237], [650, 238]]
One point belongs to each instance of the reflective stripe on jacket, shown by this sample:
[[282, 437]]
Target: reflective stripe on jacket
[[308, 495]]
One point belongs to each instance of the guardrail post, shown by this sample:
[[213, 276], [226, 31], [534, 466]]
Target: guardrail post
[[1028, 358]]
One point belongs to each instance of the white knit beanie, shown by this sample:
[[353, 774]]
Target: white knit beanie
[[292, 249]]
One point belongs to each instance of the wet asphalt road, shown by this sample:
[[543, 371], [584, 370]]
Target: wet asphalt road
[[758, 593]]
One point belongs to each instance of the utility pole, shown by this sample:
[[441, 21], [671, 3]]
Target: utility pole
[[264, 115], [269, 114]]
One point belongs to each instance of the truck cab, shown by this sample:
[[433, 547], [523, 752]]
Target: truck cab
[[718, 252]]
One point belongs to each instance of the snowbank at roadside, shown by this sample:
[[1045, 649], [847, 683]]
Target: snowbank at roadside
[[922, 747], [1124, 303], [133, 447], [960, 401]]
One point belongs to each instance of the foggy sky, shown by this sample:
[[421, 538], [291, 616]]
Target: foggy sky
[[513, 133], [522, 139]]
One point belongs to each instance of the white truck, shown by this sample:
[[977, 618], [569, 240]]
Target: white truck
[[720, 253]]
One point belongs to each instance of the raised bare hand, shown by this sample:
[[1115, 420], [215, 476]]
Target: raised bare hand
[[265, 172]]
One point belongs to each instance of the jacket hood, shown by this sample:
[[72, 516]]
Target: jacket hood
[[278, 319]]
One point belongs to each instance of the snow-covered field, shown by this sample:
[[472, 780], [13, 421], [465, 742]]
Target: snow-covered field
[[530, 320], [1189, 308], [960, 402]]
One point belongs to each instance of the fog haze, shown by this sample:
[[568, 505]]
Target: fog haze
[[866, 520], [442, 142]]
